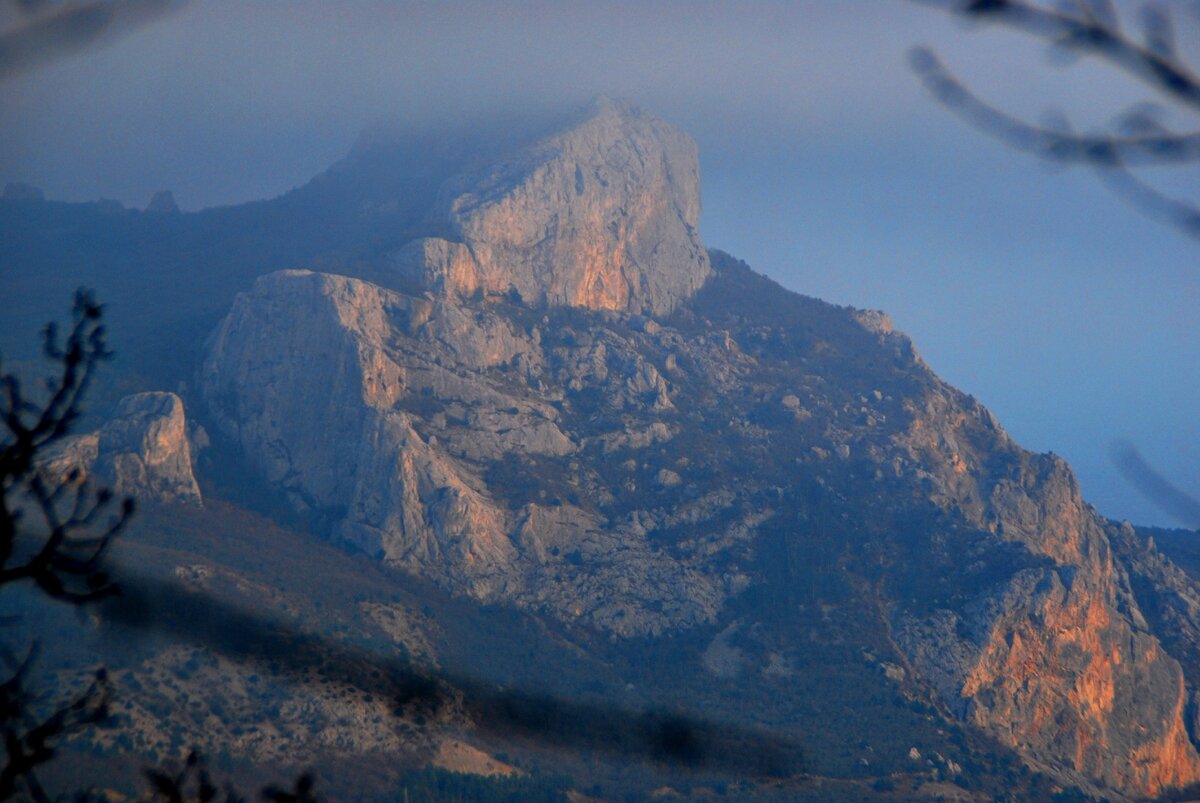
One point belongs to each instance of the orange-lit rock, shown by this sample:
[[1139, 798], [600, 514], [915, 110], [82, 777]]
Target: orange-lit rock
[[603, 215], [639, 476], [1061, 669]]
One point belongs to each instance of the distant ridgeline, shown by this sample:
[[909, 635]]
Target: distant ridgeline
[[556, 444]]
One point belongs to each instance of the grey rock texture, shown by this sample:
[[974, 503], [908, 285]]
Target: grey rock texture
[[540, 457], [603, 215], [389, 412], [73, 456], [1062, 639], [507, 421], [144, 451]]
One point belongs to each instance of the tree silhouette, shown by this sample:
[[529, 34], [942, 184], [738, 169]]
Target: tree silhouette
[[194, 784], [55, 530]]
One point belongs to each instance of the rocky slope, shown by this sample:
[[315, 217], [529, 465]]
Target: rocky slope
[[319, 381], [471, 425], [532, 387]]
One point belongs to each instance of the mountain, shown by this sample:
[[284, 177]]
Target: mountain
[[524, 431]]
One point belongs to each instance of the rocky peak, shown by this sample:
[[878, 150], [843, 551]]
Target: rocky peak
[[602, 215], [163, 202], [143, 451], [762, 456]]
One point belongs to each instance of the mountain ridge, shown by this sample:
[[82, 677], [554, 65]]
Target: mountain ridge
[[657, 446]]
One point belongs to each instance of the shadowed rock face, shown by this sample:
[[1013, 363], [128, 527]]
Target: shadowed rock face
[[603, 216], [515, 428]]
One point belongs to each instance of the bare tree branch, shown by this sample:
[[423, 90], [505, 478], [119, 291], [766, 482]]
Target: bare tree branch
[[60, 550], [28, 740], [1059, 146], [49, 31], [1090, 27], [1093, 29], [1173, 501], [67, 564]]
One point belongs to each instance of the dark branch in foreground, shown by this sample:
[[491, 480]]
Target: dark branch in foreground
[[193, 783], [48, 31], [1089, 27], [1157, 488], [28, 740], [65, 562], [62, 550], [664, 736]]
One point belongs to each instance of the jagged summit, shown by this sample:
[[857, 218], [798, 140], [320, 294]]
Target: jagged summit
[[603, 214]]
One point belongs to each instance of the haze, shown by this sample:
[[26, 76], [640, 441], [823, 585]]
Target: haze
[[825, 165]]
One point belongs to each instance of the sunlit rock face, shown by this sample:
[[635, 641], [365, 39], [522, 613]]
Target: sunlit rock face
[[568, 406], [603, 215], [388, 413], [543, 460], [144, 451], [1056, 659]]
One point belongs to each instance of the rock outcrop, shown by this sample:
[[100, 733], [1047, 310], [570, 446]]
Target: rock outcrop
[[144, 451], [603, 216], [72, 458], [1056, 659], [387, 412]]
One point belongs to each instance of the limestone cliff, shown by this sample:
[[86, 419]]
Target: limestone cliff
[[603, 215], [517, 455], [386, 411], [566, 405], [1057, 659]]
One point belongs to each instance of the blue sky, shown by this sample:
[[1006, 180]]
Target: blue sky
[[824, 165]]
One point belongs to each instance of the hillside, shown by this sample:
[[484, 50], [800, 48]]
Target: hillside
[[530, 476]]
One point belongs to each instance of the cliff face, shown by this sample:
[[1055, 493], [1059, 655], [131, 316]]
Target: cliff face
[[1058, 659], [603, 216], [500, 414], [144, 450], [387, 412]]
